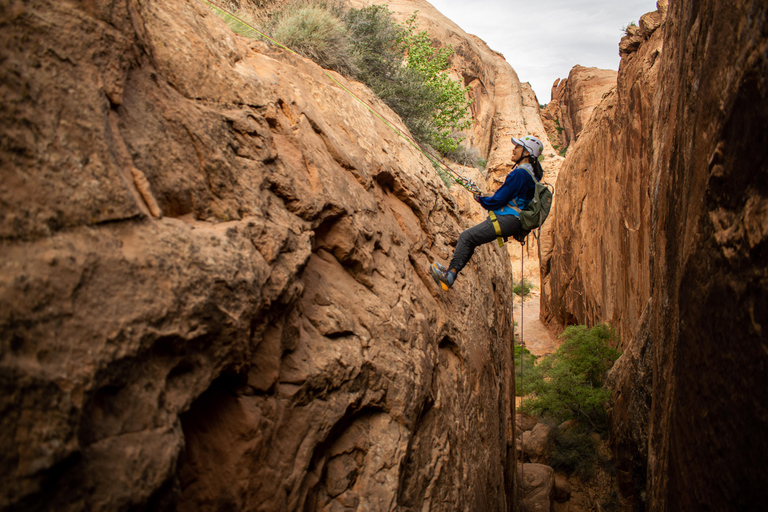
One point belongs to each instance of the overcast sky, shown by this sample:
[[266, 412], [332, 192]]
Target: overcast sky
[[543, 39]]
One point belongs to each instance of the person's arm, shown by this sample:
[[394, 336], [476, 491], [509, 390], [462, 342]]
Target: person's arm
[[512, 185]]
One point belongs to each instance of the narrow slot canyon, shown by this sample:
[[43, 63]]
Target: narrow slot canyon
[[215, 267]]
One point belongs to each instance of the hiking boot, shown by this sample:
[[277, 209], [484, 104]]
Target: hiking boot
[[442, 275]]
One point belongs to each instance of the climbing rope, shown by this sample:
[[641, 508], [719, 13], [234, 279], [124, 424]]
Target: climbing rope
[[250, 31], [522, 344]]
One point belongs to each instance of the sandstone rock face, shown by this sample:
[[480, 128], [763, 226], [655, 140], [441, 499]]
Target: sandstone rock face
[[573, 100], [562, 488], [660, 229], [597, 268], [244, 322]]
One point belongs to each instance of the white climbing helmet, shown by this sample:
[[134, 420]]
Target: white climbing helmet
[[531, 144]]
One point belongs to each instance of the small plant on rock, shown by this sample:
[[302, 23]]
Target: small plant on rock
[[522, 288], [626, 28]]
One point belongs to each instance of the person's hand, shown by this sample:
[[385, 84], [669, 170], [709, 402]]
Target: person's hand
[[476, 197]]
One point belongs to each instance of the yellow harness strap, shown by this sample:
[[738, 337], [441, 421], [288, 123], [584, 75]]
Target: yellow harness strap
[[496, 228]]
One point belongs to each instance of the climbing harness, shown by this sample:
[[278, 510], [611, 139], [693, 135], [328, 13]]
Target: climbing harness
[[249, 30], [496, 227]]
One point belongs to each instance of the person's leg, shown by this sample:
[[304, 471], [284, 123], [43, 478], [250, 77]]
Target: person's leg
[[468, 240], [471, 238]]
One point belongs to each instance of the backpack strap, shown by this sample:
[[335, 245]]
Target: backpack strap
[[513, 204]]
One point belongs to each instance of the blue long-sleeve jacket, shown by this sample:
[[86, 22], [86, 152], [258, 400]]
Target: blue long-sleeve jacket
[[519, 185]]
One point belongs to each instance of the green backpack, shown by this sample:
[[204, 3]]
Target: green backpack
[[537, 210]]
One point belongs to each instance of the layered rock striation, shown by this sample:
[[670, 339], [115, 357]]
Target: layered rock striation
[[213, 287], [660, 229]]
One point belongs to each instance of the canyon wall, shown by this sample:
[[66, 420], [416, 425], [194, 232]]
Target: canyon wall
[[213, 286], [661, 228], [572, 101]]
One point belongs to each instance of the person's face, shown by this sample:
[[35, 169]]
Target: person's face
[[517, 153]]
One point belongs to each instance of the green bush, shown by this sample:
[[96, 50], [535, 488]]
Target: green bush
[[450, 110], [569, 383], [573, 450], [316, 33], [399, 64], [522, 288]]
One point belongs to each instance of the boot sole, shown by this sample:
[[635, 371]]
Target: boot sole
[[433, 272]]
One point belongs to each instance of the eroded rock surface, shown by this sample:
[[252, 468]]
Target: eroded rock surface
[[250, 326], [572, 102], [660, 229]]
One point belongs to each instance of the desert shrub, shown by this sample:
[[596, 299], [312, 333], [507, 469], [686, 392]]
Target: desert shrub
[[466, 156], [569, 383], [399, 64], [522, 288], [375, 44], [318, 34], [447, 178], [451, 106], [573, 450]]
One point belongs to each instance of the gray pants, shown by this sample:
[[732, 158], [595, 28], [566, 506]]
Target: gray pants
[[482, 234]]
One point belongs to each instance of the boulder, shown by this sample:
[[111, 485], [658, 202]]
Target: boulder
[[536, 443], [562, 488], [537, 486], [525, 422]]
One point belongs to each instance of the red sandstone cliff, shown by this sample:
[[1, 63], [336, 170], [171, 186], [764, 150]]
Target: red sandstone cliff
[[572, 101], [661, 228], [212, 282]]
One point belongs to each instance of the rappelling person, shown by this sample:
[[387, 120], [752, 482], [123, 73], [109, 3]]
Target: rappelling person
[[503, 207]]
